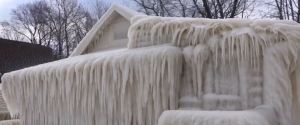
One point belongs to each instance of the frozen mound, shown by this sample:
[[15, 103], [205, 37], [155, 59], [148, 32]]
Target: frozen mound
[[196, 71]]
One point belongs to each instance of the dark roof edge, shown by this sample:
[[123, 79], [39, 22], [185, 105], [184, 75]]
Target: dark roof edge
[[21, 43]]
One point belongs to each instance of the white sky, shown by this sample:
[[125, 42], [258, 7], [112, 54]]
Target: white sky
[[7, 5]]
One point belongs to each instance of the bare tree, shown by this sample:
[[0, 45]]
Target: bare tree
[[284, 9], [155, 7], [195, 8], [100, 7], [30, 20], [7, 32], [59, 24], [222, 8], [66, 15]]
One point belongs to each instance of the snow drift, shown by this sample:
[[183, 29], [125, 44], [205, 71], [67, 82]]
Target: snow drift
[[227, 71]]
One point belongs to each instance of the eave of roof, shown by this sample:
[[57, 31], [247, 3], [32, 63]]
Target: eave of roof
[[20, 44]]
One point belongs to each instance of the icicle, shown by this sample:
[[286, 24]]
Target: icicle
[[111, 88], [281, 81]]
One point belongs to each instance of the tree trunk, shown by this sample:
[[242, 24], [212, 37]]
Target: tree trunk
[[207, 9], [220, 8], [234, 8]]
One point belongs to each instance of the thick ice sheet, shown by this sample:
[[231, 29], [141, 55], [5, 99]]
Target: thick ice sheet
[[282, 81], [226, 62], [125, 87], [152, 30]]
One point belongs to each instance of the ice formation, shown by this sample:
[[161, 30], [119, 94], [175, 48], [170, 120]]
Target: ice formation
[[231, 64], [175, 71], [101, 88], [259, 116], [10, 122]]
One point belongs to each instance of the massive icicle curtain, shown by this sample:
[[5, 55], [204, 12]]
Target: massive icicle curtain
[[230, 64], [171, 63], [126, 87]]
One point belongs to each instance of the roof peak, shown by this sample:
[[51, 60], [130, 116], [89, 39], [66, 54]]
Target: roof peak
[[101, 23]]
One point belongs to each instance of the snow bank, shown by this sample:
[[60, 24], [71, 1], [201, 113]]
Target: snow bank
[[123, 87]]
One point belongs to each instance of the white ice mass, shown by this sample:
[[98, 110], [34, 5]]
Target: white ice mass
[[167, 71]]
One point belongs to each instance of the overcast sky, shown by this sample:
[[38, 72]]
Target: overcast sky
[[7, 5]]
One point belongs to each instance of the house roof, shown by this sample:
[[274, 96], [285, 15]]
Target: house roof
[[20, 44], [115, 10], [16, 55]]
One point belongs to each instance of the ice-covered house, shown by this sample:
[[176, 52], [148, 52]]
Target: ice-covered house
[[109, 33], [166, 71]]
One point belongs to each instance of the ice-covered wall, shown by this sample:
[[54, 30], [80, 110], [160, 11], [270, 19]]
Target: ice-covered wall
[[230, 64], [121, 87], [231, 71], [282, 81]]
